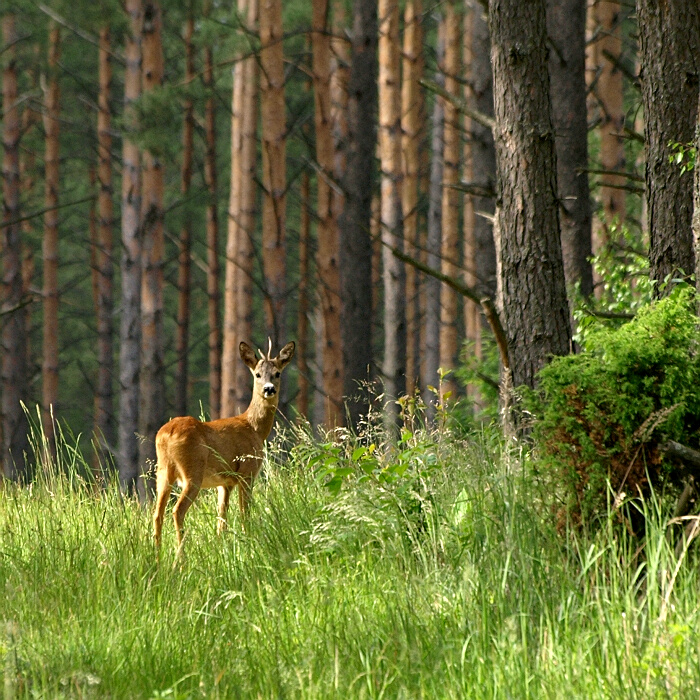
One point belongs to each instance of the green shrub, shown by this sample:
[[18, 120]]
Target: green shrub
[[602, 415]]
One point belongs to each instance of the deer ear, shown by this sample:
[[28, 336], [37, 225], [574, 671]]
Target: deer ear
[[286, 355], [248, 355]]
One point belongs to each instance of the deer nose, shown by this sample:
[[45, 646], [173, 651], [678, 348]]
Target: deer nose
[[269, 389]]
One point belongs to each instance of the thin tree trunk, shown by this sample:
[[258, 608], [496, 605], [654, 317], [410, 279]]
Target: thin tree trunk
[[355, 247], [182, 332], [14, 336], [130, 328], [696, 201], [104, 394], [327, 255], [213, 274], [274, 136], [472, 311], [566, 26], [52, 127], [608, 90], [152, 384], [394, 366], [670, 48], [229, 359], [245, 251], [431, 360], [449, 347], [532, 290], [303, 307], [412, 136], [483, 153]]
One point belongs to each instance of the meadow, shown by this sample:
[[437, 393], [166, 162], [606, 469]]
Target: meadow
[[432, 567]]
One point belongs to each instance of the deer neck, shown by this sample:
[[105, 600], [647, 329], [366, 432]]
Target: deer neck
[[261, 414]]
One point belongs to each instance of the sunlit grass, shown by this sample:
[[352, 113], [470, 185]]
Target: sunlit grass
[[472, 594]]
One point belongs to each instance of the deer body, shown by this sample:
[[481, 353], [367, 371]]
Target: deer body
[[222, 453]]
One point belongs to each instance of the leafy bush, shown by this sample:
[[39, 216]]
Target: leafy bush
[[602, 415]]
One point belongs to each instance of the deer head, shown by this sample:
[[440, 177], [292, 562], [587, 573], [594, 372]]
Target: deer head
[[267, 370]]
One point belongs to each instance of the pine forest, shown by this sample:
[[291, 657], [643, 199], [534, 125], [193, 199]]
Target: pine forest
[[468, 233]]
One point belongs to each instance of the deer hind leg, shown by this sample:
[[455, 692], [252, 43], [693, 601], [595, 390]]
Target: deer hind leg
[[224, 496], [187, 497], [163, 489]]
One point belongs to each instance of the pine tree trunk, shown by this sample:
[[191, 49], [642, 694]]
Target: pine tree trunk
[[14, 337], [566, 26], [483, 153], [52, 127], [303, 306], [696, 200], [327, 255], [532, 291], [670, 48], [213, 274], [152, 379], [229, 356], [411, 140], [130, 328], [450, 202], [472, 311], [274, 134], [608, 90], [245, 250], [431, 360], [394, 365], [104, 393], [182, 332], [356, 248]]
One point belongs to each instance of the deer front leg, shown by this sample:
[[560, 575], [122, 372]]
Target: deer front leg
[[224, 496]]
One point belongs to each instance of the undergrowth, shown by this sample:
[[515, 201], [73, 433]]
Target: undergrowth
[[432, 569]]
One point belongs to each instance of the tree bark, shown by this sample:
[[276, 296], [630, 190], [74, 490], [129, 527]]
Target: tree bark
[[472, 311], [152, 379], [412, 119], [450, 203], [431, 361], [14, 336], [327, 231], [52, 128], [532, 292], [274, 136], [245, 250], [130, 327], [229, 358], [566, 28], [104, 393], [483, 153], [355, 248], [213, 273], [605, 109], [394, 365], [182, 332], [303, 307], [669, 34]]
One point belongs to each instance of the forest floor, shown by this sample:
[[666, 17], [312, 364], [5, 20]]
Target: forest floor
[[447, 580]]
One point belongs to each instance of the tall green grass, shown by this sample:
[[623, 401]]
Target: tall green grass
[[453, 584]]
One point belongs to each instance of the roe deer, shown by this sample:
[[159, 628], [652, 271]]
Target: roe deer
[[222, 453]]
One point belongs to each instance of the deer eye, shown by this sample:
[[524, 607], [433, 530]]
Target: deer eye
[[257, 374], [277, 374]]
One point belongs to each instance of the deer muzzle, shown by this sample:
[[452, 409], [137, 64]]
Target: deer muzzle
[[269, 390]]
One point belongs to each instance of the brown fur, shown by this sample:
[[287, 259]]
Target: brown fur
[[220, 454]]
